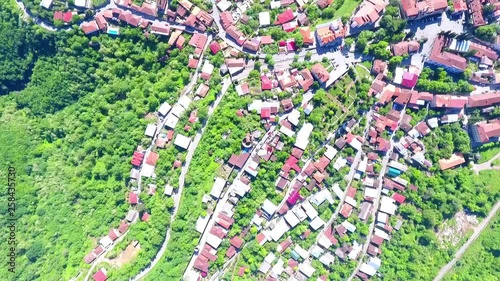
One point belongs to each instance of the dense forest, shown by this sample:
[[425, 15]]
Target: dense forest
[[72, 112]]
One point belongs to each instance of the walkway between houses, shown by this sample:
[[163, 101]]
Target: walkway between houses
[[177, 197], [461, 251], [486, 165]]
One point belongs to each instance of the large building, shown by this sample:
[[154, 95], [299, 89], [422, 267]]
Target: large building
[[485, 132], [368, 13], [449, 61], [414, 9], [330, 33]]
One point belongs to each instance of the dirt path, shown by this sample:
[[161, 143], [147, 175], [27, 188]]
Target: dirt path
[[486, 165], [460, 252]]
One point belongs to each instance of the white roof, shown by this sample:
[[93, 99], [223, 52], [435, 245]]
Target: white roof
[[324, 242], [433, 122], [356, 248], [368, 181], [309, 209], [81, 3], [306, 269], [349, 226], [275, 4], [294, 117], [218, 187], [131, 215], [201, 223], [371, 192], [327, 259], [278, 230], [277, 268], [397, 165], [147, 170], [299, 213], [264, 267], [177, 110], [337, 190], [257, 220], [381, 233], [291, 219], [184, 101], [171, 121], [351, 201], [135, 173], [317, 223], [400, 181], [252, 167], [320, 197], [316, 251], [362, 165], [398, 75], [287, 132], [168, 189], [339, 163], [239, 89], [270, 258], [309, 108], [269, 207], [387, 205], [374, 262], [330, 152], [182, 141], [46, 4], [150, 130], [164, 108], [365, 268], [240, 188], [302, 139], [207, 68], [356, 144], [224, 5], [105, 241], [302, 253], [264, 18], [382, 217], [213, 240]]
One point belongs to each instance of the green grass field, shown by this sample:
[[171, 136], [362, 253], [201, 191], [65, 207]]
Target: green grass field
[[487, 151], [347, 8]]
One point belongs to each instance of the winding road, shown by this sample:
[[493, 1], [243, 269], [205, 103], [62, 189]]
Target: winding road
[[461, 251]]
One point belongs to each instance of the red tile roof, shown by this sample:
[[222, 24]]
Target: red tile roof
[[236, 242], [446, 58], [398, 198], [152, 158], [133, 198], [320, 73], [100, 275], [286, 16], [214, 47], [145, 217], [198, 40]]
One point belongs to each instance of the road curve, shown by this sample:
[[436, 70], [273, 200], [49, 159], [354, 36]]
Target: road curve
[[462, 249]]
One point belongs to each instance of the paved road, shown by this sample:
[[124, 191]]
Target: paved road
[[177, 196], [189, 270], [460, 252], [486, 165], [385, 161]]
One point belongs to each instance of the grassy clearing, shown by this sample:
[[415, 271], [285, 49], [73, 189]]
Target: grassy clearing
[[487, 151], [479, 262], [347, 8]]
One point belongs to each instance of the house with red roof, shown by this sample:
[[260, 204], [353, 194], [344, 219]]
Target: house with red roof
[[214, 47], [100, 275], [266, 83], [398, 198], [449, 61], [294, 197], [133, 198], [145, 216], [236, 242], [285, 17], [320, 73]]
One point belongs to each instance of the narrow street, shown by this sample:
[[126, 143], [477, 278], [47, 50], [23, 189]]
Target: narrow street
[[185, 168], [221, 203], [385, 161], [461, 251]]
